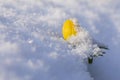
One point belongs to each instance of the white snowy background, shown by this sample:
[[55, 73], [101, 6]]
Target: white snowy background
[[30, 50]]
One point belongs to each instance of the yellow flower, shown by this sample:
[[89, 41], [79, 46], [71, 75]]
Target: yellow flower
[[68, 29]]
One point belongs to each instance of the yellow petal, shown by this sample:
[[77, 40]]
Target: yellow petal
[[68, 29]]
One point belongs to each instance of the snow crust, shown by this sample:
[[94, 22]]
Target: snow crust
[[31, 47]]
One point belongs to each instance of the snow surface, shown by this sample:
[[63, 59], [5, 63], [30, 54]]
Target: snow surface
[[31, 47]]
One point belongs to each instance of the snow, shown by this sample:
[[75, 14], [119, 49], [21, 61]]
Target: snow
[[31, 47]]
